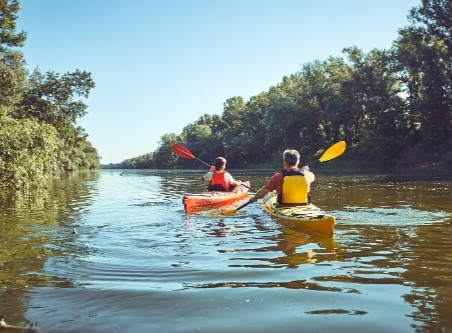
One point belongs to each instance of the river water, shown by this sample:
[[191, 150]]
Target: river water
[[139, 264]]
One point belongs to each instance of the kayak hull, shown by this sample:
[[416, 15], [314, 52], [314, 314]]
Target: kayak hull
[[213, 199], [301, 218]]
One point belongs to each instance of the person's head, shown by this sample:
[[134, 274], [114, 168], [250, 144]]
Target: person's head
[[220, 163], [291, 157]]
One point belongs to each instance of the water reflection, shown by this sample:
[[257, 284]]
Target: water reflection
[[139, 255], [36, 228]]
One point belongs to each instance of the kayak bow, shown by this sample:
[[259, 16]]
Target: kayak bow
[[214, 199], [301, 217]]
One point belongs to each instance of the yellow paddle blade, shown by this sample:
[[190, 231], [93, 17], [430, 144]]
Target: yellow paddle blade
[[231, 211], [226, 212], [333, 152]]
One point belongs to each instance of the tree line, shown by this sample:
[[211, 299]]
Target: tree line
[[392, 107], [38, 112]]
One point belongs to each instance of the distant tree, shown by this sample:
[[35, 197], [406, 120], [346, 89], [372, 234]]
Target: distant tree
[[378, 108], [162, 157], [391, 106], [424, 59]]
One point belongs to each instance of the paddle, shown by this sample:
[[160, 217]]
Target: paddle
[[181, 151], [334, 151]]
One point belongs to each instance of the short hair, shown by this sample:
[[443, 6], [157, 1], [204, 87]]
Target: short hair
[[219, 162], [291, 156]]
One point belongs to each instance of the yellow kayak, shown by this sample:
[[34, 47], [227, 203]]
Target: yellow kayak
[[301, 218]]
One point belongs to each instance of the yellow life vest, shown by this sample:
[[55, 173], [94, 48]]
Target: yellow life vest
[[294, 188]]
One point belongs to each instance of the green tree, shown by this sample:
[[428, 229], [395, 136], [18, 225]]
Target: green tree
[[378, 108], [8, 16], [12, 72], [38, 114], [435, 16], [51, 97], [28, 151], [389, 105], [423, 55], [162, 157], [13, 77]]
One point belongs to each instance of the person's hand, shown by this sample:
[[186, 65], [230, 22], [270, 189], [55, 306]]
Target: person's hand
[[212, 168], [305, 168], [253, 199]]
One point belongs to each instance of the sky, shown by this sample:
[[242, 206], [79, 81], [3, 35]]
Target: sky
[[159, 65]]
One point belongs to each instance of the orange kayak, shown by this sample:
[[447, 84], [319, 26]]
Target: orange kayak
[[214, 199]]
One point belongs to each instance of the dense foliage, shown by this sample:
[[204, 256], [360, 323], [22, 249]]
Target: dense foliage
[[390, 106], [38, 114]]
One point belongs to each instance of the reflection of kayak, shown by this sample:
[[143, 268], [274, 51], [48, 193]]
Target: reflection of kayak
[[301, 218], [213, 199]]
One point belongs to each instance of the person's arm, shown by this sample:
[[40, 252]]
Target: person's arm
[[231, 181], [259, 194], [270, 186], [207, 177], [308, 175]]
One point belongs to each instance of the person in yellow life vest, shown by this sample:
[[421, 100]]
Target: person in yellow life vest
[[291, 184], [219, 179]]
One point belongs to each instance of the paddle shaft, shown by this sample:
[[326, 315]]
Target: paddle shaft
[[313, 163], [244, 205], [202, 161]]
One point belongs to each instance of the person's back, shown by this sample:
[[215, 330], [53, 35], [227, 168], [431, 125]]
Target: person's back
[[291, 184], [218, 179], [294, 188]]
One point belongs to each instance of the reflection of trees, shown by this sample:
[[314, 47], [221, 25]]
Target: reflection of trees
[[406, 257], [32, 234], [429, 268], [378, 190]]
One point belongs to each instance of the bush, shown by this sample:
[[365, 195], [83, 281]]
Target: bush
[[28, 152]]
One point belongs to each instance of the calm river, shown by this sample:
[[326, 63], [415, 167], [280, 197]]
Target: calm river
[[139, 264]]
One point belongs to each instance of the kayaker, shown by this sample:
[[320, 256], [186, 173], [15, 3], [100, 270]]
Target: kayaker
[[291, 184], [219, 179]]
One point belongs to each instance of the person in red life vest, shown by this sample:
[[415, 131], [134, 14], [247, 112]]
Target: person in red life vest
[[291, 184], [219, 179]]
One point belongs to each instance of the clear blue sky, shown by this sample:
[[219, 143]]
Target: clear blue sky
[[159, 65]]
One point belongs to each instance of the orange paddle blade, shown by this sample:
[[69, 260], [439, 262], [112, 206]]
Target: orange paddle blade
[[181, 151]]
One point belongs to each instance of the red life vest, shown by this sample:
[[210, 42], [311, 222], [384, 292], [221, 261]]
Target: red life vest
[[218, 178]]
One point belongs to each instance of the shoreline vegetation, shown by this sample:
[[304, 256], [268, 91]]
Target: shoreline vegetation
[[39, 137], [393, 108]]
